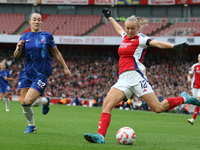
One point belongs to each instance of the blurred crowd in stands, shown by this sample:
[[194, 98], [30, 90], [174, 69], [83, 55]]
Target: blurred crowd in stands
[[92, 78]]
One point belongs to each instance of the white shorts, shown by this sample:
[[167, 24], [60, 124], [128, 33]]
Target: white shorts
[[133, 82], [195, 92]]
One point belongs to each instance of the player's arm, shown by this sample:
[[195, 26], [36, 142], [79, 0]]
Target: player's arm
[[165, 45], [189, 78], [18, 49], [117, 27], [160, 44], [60, 59], [8, 78]]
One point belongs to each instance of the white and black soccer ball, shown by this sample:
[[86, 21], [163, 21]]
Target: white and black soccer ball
[[126, 136]]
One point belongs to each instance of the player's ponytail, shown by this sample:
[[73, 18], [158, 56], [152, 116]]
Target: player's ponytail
[[141, 22]]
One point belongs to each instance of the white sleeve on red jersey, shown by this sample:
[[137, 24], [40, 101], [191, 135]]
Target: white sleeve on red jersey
[[123, 35], [191, 71], [143, 39]]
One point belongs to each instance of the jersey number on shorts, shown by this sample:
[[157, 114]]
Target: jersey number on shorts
[[41, 84], [143, 84], [8, 87]]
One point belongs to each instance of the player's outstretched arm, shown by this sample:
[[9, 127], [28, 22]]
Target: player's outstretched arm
[[165, 45], [60, 59], [160, 44], [107, 14], [18, 49]]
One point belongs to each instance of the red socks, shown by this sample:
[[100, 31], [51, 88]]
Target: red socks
[[196, 112], [175, 101], [104, 123], [105, 118]]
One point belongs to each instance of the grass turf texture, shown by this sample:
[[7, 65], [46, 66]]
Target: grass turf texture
[[63, 128]]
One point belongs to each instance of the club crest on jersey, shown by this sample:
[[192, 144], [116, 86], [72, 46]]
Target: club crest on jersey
[[42, 40]]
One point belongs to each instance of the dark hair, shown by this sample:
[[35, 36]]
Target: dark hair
[[34, 13]]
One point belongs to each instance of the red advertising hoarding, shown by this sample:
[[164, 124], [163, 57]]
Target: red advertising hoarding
[[161, 2], [187, 1]]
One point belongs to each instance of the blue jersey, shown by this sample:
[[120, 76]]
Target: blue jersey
[[3, 82], [37, 59]]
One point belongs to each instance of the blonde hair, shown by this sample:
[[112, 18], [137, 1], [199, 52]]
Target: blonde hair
[[141, 22], [3, 62]]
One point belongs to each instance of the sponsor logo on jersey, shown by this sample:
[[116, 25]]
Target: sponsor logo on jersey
[[124, 45]]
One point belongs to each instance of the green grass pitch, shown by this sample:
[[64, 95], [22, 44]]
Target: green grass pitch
[[64, 126]]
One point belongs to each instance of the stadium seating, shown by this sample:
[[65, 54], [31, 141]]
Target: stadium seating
[[79, 25], [108, 29], [10, 22], [181, 29], [69, 24]]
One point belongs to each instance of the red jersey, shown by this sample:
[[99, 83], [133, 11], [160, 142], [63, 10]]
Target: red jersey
[[195, 71], [131, 52]]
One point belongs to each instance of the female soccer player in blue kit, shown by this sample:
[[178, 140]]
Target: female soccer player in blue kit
[[5, 77], [132, 75], [37, 68]]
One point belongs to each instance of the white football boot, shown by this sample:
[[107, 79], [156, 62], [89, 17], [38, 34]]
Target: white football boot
[[191, 121]]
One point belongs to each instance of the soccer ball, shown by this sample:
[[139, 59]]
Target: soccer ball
[[126, 136]]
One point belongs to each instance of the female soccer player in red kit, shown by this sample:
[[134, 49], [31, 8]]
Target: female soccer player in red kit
[[132, 74], [194, 78]]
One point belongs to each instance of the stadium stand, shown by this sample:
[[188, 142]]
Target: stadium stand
[[77, 25], [181, 29], [108, 29], [10, 22], [91, 25], [69, 24], [93, 76]]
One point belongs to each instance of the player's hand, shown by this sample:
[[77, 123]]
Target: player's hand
[[106, 12], [68, 73], [181, 46], [5, 78], [20, 44]]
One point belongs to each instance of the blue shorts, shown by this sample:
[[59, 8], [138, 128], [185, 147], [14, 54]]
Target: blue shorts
[[38, 83], [5, 89]]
